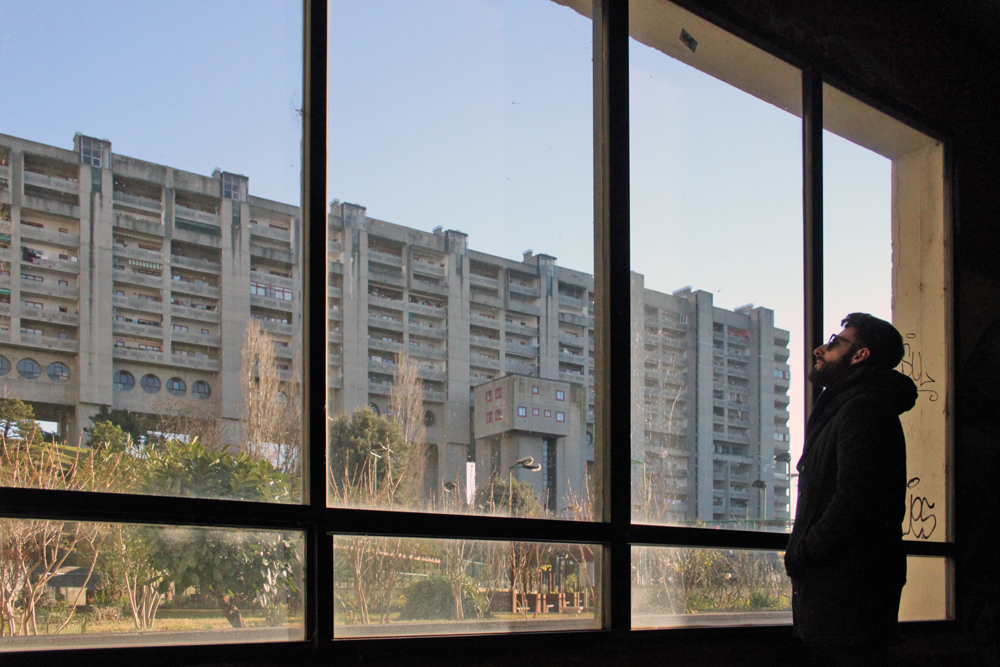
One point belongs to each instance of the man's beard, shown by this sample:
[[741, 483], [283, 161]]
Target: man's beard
[[824, 377]]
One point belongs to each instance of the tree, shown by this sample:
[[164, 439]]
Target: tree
[[406, 403], [136, 426], [235, 568], [272, 418], [493, 498], [368, 459]]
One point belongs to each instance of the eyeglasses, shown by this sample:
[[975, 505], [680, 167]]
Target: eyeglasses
[[836, 340]]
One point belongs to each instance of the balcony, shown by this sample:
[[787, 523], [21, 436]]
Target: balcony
[[57, 238], [433, 311], [335, 381], [483, 281], [4, 309], [486, 299], [335, 359], [384, 258], [581, 320], [50, 206], [571, 301], [577, 378], [196, 363], [571, 339], [523, 290], [51, 182], [520, 350], [395, 279], [123, 276], [484, 321], [36, 287], [271, 279], [435, 396], [424, 352], [142, 203], [520, 367], [428, 331], [135, 303], [384, 367], [518, 306], [394, 304], [334, 314], [427, 269], [384, 345], [337, 267], [273, 254], [485, 341], [484, 362], [334, 247], [384, 322], [195, 287], [137, 329], [264, 231], [273, 304], [379, 388], [276, 327], [573, 358], [738, 372], [200, 314], [429, 287], [48, 342], [147, 356], [196, 338], [196, 264], [136, 253], [334, 292], [195, 215], [432, 374], [151, 225], [62, 265], [518, 328]]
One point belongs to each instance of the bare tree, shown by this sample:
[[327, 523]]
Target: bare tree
[[272, 406], [406, 402]]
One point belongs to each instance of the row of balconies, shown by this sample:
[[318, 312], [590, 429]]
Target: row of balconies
[[148, 203], [57, 238], [483, 281], [267, 232], [55, 207], [152, 357], [52, 182], [197, 264], [46, 342], [271, 279], [428, 331], [47, 315], [273, 304], [485, 341], [36, 287]]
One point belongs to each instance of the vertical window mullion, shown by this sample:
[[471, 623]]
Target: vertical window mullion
[[812, 221], [319, 545], [613, 322]]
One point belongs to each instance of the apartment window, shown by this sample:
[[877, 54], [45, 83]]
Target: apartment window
[[176, 386], [534, 390], [548, 414], [489, 417], [499, 414], [179, 327], [64, 283], [29, 369], [560, 395], [231, 187], [4, 365], [489, 395], [90, 152], [200, 389], [499, 392], [150, 383], [31, 331], [124, 381], [534, 412], [33, 304], [33, 278], [522, 411], [560, 416], [58, 372]]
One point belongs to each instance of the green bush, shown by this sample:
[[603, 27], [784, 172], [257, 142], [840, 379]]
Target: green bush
[[430, 598]]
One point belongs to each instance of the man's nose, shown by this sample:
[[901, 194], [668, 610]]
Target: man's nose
[[818, 352]]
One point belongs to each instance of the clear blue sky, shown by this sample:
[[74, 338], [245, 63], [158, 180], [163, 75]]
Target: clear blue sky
[[471, 114]]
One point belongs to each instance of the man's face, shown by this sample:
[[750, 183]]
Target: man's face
[[836, 356]]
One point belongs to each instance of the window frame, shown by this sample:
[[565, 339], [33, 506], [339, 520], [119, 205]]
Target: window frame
[[612, 532]]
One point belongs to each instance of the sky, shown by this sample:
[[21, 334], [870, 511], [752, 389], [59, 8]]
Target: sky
[[475, 115]]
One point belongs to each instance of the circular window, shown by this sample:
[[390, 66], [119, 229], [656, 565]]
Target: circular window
[[124, 381], [429, 418], [4, 365], [200, 389], [150, 383], [176, 387], [58, 372], [29, 369]]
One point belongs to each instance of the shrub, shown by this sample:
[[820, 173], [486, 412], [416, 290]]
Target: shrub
[[430, 598]]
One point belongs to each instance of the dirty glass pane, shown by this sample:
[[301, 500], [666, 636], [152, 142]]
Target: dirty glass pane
[[87, 585], [716, 233], [150, 263], [675, 587], [461, 257], [396, 586]]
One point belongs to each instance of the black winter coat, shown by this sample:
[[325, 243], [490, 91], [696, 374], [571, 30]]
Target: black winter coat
[[845, 554]]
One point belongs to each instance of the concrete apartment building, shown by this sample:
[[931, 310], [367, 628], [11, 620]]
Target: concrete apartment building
[[128, 284]]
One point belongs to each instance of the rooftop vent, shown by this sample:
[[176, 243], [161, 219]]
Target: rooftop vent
[[528, 254], [438, 230]]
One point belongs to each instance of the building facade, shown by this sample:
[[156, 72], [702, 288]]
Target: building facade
[[127, 284]]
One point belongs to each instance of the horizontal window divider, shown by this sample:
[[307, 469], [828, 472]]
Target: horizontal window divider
[[343, 521], [59, 505], [682, 536], [914, 548], [269, 653]]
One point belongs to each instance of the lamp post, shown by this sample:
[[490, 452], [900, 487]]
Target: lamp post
[[375, 471], [762, 485], [527, 463]]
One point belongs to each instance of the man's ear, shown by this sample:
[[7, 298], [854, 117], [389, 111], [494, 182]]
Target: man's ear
[[860, 355]]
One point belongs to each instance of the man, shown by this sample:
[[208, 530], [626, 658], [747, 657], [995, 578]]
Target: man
[[845, 554]]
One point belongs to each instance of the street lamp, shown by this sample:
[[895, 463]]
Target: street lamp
[[527, 463], [762, 485]]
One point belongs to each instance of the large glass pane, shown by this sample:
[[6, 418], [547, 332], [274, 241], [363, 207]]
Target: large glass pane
[[150, 302], [461, 286], [929, 588], [886, 250], [676, 587], [87, 585], [396, 586], [716, 219]]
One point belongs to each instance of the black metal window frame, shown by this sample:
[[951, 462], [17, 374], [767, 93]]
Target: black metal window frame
[[615, 533]]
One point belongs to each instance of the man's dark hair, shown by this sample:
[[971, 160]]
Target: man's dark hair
[[881, 338]]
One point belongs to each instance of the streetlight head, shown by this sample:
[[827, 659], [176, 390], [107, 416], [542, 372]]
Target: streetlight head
[[526, 461], [533, 467]]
